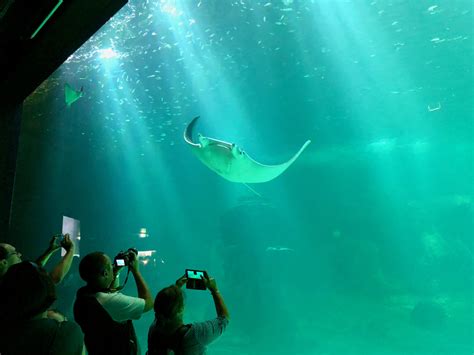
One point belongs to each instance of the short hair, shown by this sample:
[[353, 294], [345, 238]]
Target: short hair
[[91, 266], [168, 302], [3, 251], [26, 291]]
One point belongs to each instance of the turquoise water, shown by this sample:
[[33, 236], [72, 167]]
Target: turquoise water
[[363, 246]]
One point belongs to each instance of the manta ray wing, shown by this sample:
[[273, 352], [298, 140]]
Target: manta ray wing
[[234, 165], [247, 170]]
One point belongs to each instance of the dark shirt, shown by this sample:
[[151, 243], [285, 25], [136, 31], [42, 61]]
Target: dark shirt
[[42, 336], [102, 334]]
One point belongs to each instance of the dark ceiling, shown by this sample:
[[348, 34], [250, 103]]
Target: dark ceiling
[[25, 63]]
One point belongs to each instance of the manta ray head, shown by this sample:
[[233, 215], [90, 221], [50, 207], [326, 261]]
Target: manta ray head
[[237, 152], [203, 140]]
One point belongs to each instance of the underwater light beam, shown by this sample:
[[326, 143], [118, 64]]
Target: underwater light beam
[[107, 53]]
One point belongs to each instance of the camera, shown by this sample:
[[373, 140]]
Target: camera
[[195, 281], [124, 258]]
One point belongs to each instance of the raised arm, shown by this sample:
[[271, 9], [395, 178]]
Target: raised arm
[[221, 308], [142, 287], [52, 247], [62, 268]]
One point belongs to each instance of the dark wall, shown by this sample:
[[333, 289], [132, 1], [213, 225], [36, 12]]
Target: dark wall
[[10, 119]]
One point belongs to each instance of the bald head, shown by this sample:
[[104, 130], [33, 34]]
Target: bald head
[[96, 269]]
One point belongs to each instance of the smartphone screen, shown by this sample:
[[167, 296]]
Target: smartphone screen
[[72, 227], [195, 279], [194, 274]]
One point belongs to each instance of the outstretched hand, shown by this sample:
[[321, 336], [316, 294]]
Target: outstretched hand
[[54, 243], [67, 243], [181, 281], [210, 282], [133, 261]]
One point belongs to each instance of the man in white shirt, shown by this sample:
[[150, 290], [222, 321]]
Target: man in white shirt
[[105, 315]]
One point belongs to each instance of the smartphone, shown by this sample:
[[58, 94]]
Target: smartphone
[[72, 227], [195, 282]]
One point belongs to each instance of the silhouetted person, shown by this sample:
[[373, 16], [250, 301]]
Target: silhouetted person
[[105, 315], [26, 293], [168, 333], [10, 256]]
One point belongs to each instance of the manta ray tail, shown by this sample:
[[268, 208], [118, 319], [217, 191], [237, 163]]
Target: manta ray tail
[[252, 190]]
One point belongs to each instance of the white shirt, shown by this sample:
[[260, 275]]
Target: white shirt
[[120, 307]]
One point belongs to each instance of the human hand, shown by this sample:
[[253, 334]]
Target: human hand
[[133, 261], [181, 281], [54, 243], [67, 243], [210, 282]]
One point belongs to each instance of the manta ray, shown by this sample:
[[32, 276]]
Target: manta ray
[[71, 95], [231, 162]]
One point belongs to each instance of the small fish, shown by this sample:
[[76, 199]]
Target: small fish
[[279, 249]]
